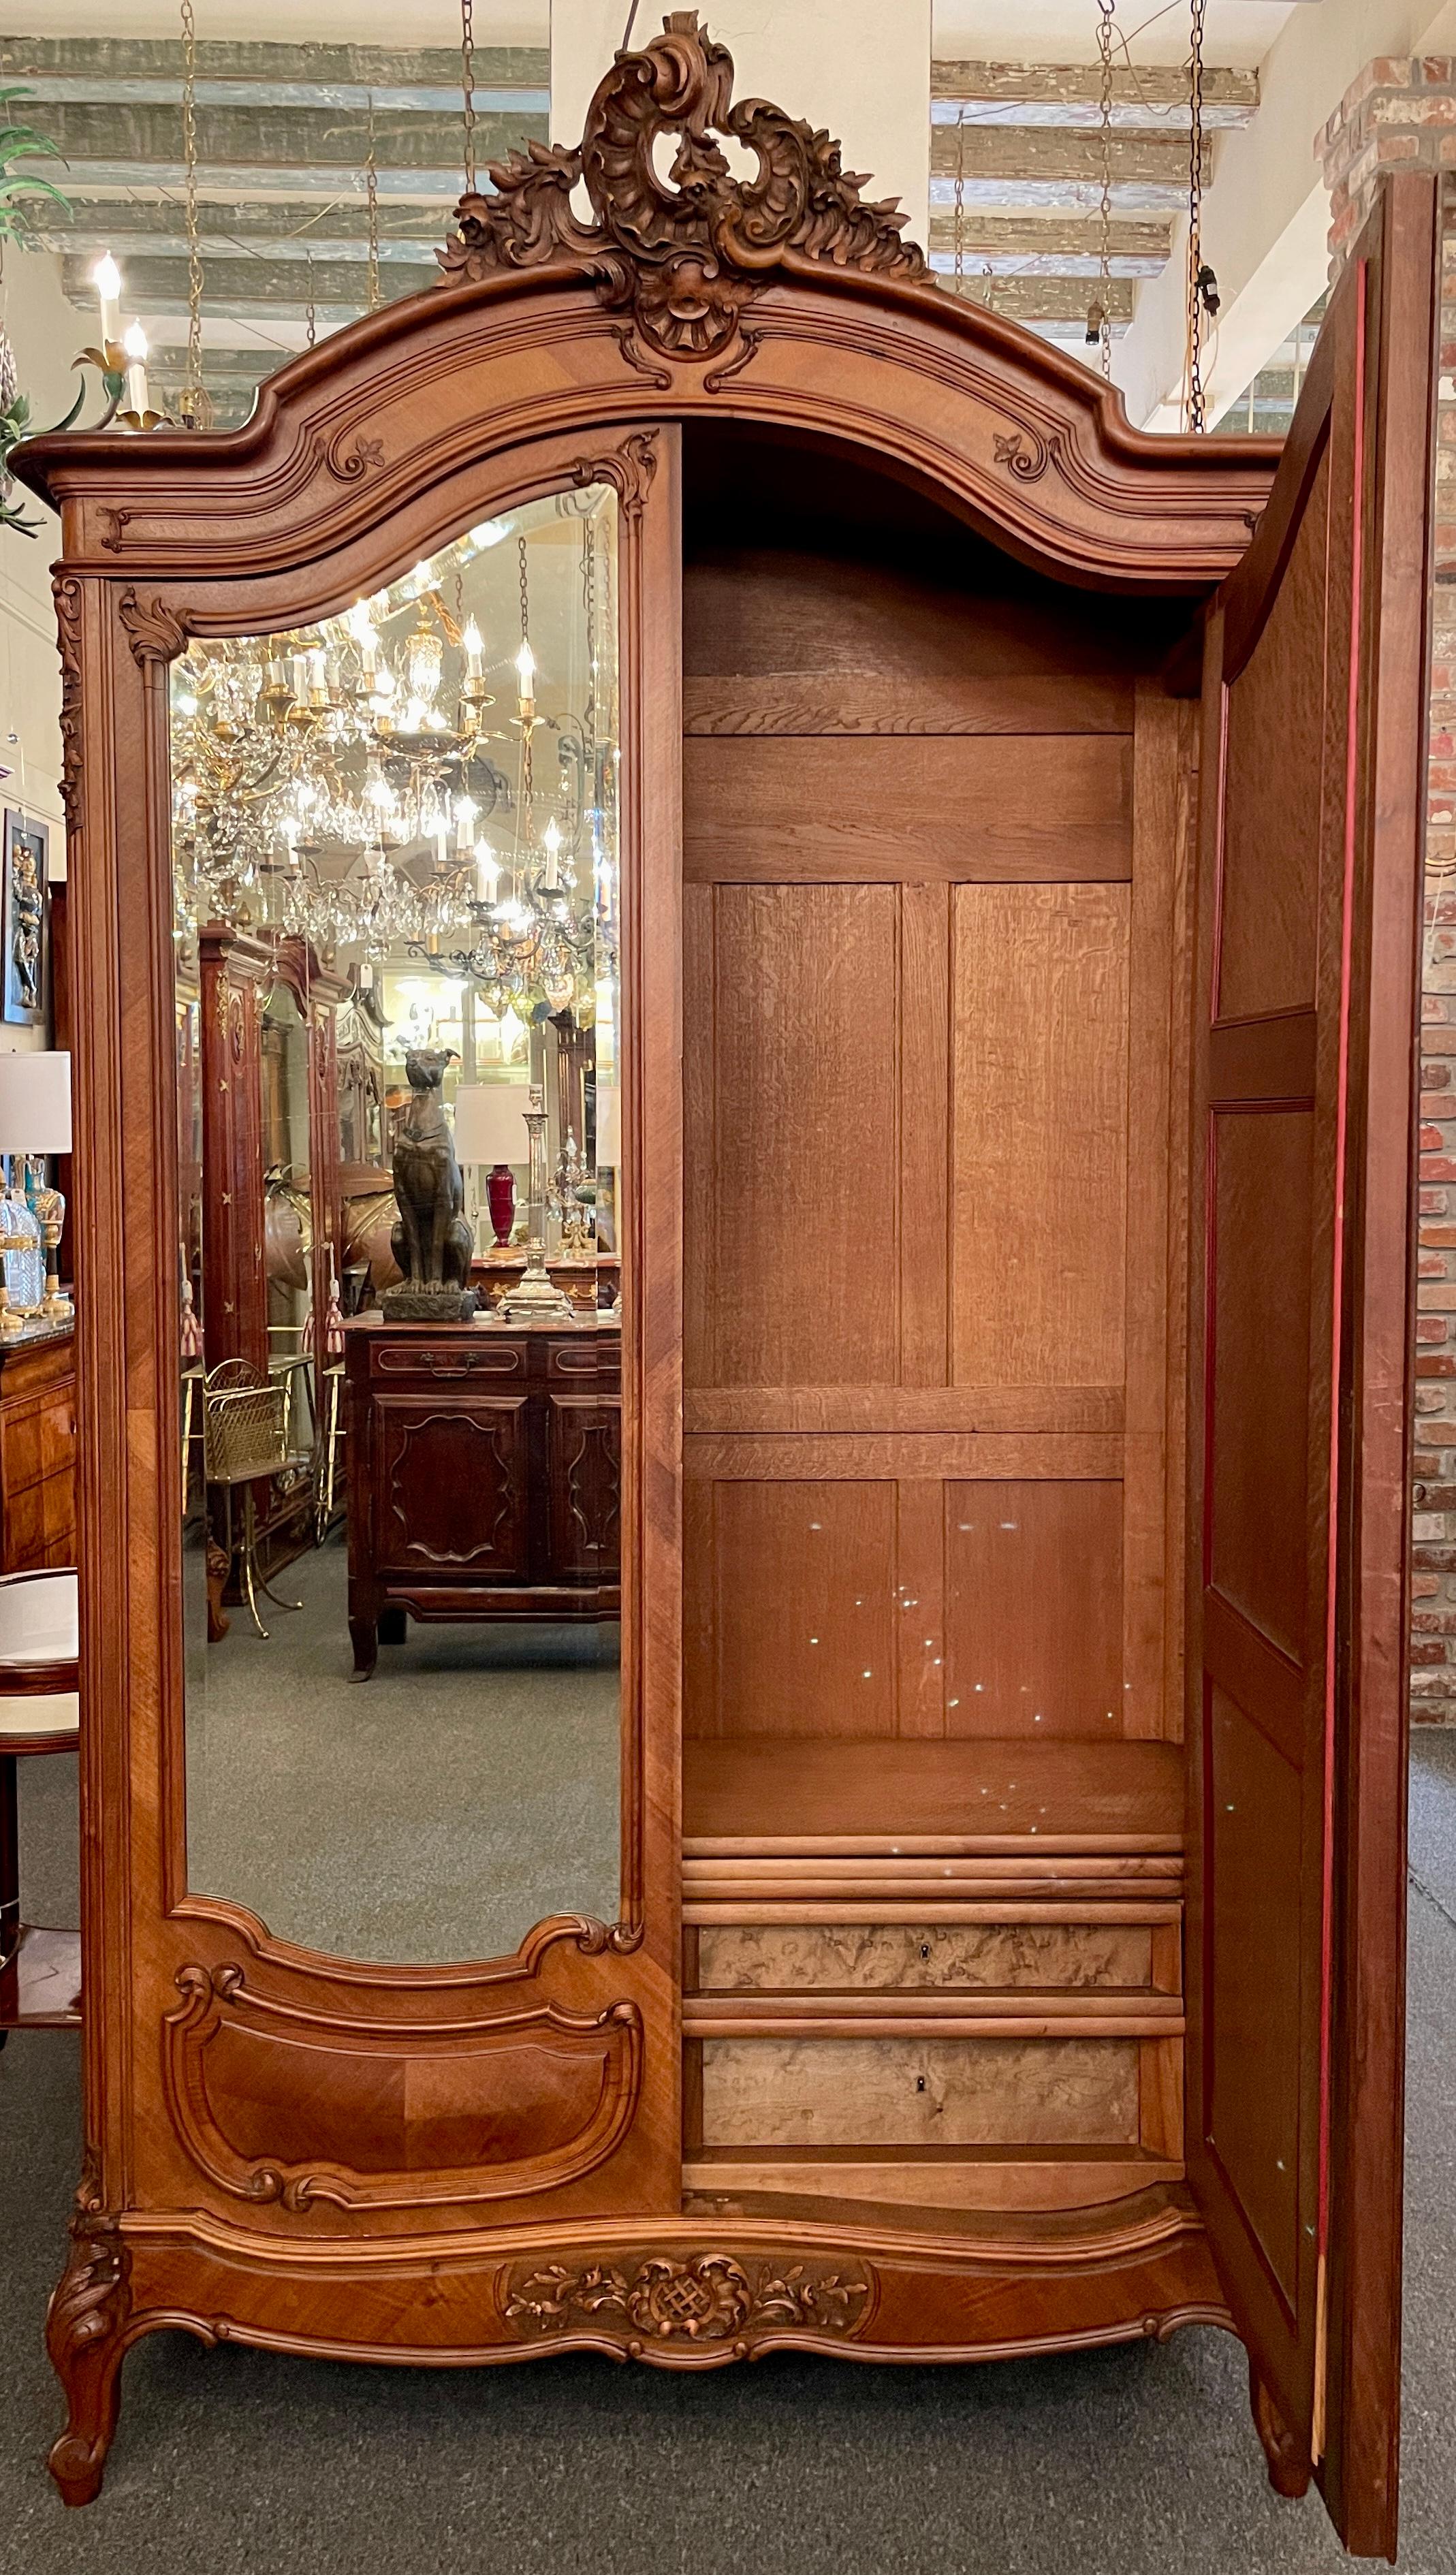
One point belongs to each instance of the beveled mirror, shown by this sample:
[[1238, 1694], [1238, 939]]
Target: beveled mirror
[[395, 856]]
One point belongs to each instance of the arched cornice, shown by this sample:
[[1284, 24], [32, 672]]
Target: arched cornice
[[782, 299]]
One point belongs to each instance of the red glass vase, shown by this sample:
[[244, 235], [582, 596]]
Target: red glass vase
[[501, 1200]]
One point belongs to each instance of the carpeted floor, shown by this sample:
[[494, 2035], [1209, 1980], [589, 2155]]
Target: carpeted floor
[[466, 1791], [1107, 2463]]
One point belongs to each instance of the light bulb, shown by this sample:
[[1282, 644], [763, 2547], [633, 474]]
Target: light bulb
[[488, 870], [134, 342], [474, 649], [526, 672], [106, 278]]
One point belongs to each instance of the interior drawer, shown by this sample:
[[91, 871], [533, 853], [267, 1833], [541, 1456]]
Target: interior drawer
[[900, 1956], [920, 2093]]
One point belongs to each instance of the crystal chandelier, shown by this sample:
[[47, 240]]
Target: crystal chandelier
[[336, 783]]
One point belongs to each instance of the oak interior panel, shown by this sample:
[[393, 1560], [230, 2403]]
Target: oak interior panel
[[791, 1621], [1039, 1134], [1033, 1608], [933, 805], [803, 984]]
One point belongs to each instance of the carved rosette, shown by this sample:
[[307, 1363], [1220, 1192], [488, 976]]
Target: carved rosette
[[687, 256], [706, 2301]]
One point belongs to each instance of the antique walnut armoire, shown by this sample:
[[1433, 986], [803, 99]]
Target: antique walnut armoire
[[1019, 921]]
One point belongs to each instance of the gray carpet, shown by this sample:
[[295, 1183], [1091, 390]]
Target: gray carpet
[[436, 1811], [1107, 2463]]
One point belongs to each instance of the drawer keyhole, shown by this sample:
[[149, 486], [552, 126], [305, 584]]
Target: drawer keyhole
[[919, 2084], [924, 1948]]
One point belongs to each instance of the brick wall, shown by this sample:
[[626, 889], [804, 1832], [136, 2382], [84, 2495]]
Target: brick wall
[[1403, 111]]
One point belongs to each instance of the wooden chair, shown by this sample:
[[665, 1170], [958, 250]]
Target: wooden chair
[[40, 1970]]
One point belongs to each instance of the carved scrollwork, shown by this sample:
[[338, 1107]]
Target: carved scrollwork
[[629, 469], [154, 630], [686, 256], [349, 462], [705, 2299], [67, 593], [85, 2337], [1023, 454]]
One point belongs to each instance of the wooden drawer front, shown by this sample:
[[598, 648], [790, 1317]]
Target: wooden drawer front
[[450, 1491], [39, 1439], [920, 2093], [40, 1526], [904, 1956], [592, 1362], [450, 1362]]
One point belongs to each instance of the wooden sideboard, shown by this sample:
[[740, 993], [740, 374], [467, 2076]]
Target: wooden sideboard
[[484, 1465], [38, 1450]]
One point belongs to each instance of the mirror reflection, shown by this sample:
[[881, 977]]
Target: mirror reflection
[[398, 1026]]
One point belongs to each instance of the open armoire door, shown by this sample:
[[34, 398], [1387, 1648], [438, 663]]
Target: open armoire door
[[1312, 784]]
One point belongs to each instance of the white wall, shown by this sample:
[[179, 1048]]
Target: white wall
[[859, 67], [1267, 212]]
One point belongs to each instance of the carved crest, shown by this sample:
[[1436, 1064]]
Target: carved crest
[[707, 2299], [685, 256]]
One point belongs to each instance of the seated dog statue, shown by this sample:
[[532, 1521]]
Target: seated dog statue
[[432, 1242]]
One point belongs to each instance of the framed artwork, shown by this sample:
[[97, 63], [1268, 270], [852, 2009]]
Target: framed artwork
[[22, 919]]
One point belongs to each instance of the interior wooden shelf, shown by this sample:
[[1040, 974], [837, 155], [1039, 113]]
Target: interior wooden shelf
[[951, 2184], [822, 2012], [813, 1795], [40, 1982]]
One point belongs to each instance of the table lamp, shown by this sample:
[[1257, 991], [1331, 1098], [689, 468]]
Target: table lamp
[[35, 1118], [490, 1129]]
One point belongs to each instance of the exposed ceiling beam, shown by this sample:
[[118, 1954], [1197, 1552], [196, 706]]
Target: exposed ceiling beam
[[1049, 245], [1070, 94], [239, 284], [1044, 298], [244, 139], [65, 68]]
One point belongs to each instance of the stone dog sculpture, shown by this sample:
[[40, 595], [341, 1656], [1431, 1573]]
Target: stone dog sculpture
[[432, 1242]]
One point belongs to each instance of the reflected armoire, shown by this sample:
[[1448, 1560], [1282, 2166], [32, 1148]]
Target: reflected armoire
[[1019, 894]]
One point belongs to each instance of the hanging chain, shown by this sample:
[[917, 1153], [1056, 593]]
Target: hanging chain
[[959, 200], [1099, 317], [311, 319], [1194, 406], [192, 402], [370, 200], [523, 826], [468, 89]]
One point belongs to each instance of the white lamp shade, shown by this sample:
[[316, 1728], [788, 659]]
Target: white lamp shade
[[608, 1126], [35, 1104], [490, 1122]]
